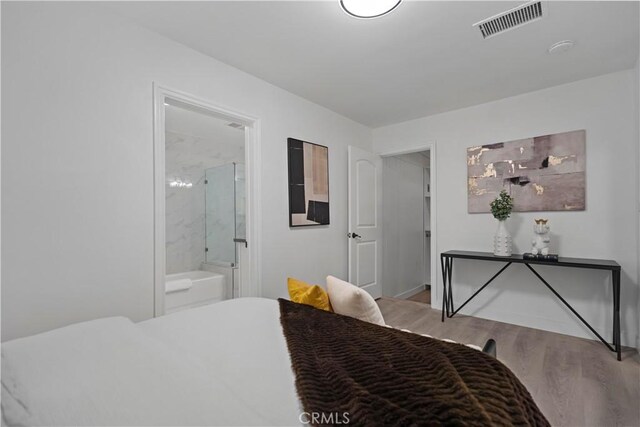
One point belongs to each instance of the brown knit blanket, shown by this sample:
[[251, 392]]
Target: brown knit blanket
[[383, 376]]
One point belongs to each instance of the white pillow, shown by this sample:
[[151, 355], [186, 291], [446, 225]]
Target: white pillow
[[350, 300]]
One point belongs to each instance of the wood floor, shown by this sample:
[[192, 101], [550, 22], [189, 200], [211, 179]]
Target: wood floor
[[575, 382], [423, 297]]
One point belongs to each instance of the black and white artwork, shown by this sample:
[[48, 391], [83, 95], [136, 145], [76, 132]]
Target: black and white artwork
[[308, 183]]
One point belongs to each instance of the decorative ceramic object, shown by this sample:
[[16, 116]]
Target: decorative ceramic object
[[541, 237], [502, 240], [501, 209]]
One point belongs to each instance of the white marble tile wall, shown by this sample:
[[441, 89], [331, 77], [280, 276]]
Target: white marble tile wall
[[187, 158]]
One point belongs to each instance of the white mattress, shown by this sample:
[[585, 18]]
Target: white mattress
[[222, 364]]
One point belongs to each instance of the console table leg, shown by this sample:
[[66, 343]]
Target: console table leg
[[449, 287], [453, 312], [616, 310], [616, 313], [444, 285]]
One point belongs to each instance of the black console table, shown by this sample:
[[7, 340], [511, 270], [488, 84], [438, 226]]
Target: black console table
[[446, 260]]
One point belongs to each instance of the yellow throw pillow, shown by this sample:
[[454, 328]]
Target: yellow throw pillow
[[312, 295]]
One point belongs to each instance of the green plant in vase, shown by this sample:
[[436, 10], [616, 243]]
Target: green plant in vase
[[501, 209], [502, 206]]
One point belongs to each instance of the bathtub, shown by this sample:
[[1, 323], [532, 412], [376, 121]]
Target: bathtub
[[207, 287]]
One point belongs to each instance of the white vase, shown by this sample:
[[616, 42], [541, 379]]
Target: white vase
[[502, 241]]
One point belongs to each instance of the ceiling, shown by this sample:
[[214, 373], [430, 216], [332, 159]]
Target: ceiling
[[422, 59]]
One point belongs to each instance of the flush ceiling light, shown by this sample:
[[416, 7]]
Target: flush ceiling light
[[560, 47], [368, 8]]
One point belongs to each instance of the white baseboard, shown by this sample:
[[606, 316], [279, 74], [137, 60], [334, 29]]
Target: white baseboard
[[410, 292]]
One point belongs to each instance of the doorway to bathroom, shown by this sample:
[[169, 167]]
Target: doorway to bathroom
[[204, 189]]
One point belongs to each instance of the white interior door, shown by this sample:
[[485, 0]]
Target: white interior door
[[365, 220]]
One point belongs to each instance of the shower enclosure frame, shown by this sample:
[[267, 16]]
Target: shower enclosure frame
[[249, 258]]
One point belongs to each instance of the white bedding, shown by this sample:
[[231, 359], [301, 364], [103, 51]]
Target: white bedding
[[222, 364]]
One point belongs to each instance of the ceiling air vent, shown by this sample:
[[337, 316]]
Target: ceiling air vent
[[235, 125], [514, 18]]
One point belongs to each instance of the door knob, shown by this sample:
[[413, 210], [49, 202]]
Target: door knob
[[354, 235]]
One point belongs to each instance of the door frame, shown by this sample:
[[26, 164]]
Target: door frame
[[251, 285], [431, 147]]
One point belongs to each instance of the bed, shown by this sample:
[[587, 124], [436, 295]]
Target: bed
[[222, 364]]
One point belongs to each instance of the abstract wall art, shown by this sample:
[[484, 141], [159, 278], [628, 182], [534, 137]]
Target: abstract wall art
[[308, 183], [544, 173]]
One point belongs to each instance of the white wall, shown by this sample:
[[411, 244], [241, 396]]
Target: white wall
[[77, 178], [402, 226], [636, 80], [608, 228]]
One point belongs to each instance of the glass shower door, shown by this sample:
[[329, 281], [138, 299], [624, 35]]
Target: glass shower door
[[225, 213], [240, 200]]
